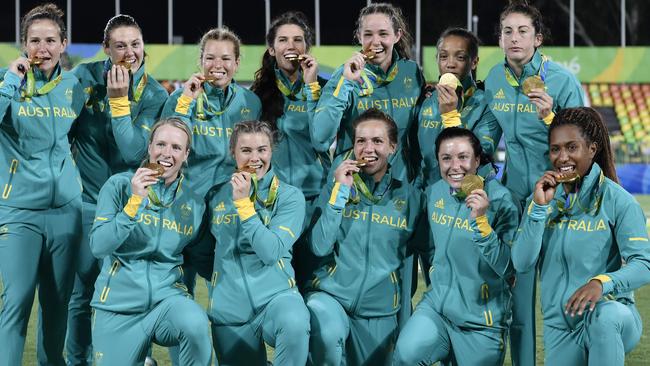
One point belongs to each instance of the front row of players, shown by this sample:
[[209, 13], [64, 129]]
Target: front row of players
[[366, 223]]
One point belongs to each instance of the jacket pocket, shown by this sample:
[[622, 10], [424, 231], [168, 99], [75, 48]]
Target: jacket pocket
[[6, 190], [115, 267]]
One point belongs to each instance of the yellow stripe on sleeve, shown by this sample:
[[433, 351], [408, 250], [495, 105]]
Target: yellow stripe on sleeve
[[183, 104], [245, 208], [483, 226], [601, 278], [120, 106], [638, 239], [132, 205], [335, 193], [548, 119], [314, 88], [287, 230], [338, 86], [451, 119], [99, 218]]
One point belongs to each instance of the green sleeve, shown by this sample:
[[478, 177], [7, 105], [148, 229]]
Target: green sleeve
[[528, 242], [271, 242], [131, 135], [114, 218], [8, 87], [170, 108], [335, 100], [632, 239], [571, 94], [495, 246], [200, 252], [324, 232], [488, 131], [421, 241]]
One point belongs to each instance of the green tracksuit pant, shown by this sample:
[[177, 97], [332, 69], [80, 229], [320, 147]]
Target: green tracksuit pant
[[38, 248], [78, 340], [340, 339], [125, 339], [429, 337], [606, 335], [283, 324]]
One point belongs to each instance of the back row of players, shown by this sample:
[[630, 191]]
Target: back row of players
[[134, 233]]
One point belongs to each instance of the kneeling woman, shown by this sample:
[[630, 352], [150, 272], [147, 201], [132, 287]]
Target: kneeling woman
[[255, 219], [464, 316], [144, 221], [580, 227], [366, 217]]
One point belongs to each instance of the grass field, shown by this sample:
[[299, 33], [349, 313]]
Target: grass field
[[635, 358]]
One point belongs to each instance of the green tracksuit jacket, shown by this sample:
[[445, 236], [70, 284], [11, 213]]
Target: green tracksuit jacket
[[475, 115], [35, 160], [140, 243], [470, 263], [252, 260], [526, 136], [365, 244], [585, 235], [210, 160], [395, 92], [108, 140], [294, 159]]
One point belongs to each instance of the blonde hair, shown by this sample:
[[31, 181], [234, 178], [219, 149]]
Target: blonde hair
[[220, 34]]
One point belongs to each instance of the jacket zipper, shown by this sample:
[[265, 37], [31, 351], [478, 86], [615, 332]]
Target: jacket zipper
[[365, 269]]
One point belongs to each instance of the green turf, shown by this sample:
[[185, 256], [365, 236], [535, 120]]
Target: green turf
[[636, 357]]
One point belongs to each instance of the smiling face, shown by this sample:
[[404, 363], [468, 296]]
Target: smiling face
[[519, 38], [219, 62], [44, 43], [371, 143], [453, 57], [168, 147], [289, 41], [376, 33], [126, 44], [254, 150], [457, 159], [569, 151]]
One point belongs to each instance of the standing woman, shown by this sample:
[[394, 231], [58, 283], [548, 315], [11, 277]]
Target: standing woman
[[457, 54], [210, 102], [525, 92], [40, 205], [144, 221], [463, 318], [366, 219], [381, 76], [588, 238], [255, 219], [109, 138], [289, 88]]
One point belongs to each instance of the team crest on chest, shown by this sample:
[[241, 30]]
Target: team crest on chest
[[186, 210]]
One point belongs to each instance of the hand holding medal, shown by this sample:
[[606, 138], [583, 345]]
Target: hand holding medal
[[118, 79], [475, 197], [145, 176], [535, 88], [448, 90]]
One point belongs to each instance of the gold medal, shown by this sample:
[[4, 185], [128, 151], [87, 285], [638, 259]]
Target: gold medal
[[361, 162], [126, 64], [533, 82], [247, 169], [568, 177], [471, 182], [36, 61], [368, 54], [295, 58], [159, 169], [449, 79]]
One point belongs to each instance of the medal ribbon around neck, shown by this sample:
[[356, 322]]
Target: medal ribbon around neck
[[30, 85], [203, 100], [368, 76], [140, 88], [512, 80], [286, 91], [153, 197], [273, 191]]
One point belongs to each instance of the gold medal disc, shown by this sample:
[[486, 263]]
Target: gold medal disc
[[533, 82], [471, 182]]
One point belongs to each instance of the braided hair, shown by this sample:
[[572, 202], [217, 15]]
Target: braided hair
[[264, 85], [593, 130]]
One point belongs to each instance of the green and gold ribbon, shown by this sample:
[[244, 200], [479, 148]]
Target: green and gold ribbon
[[153, 197], [30, 85], [512, 80], [360, 186], [273, 191], [203, 104], [368, 76], [140, 88]]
